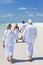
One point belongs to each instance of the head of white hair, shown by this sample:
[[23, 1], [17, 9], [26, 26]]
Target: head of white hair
[[30, 21]]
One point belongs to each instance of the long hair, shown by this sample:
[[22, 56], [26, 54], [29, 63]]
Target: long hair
[[16, 27]]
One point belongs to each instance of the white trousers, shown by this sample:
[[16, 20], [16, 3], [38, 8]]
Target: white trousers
[[29, 48]]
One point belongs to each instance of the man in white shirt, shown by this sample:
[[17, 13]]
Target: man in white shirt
[[30, 34], [8, 42]]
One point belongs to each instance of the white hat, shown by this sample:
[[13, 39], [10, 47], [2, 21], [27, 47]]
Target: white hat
[[30, 21]]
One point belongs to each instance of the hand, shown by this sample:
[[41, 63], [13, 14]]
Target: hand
[[20, 38], [3, 46]]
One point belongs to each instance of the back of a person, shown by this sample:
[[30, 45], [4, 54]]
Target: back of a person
[[10, 34], [8, 42], [16, 30], [23, 28], [31, 33], [9, 37]]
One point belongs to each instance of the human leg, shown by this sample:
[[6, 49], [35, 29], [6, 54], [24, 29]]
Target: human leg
[[11, 58], [16, 40], [30, 57], [29, 50], [11, 53]]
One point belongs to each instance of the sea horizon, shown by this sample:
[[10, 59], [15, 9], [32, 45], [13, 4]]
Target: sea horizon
[[21, 22]]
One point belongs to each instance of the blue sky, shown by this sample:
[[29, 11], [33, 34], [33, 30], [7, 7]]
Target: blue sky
[[18, 10]]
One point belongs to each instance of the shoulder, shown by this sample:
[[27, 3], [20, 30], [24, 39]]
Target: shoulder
[[34, 27], [11, 31], [5, 31], [28, 26]]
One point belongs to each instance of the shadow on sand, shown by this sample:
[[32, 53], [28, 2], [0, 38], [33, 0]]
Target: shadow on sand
[[17, 60], [37, 58], [33, 59]]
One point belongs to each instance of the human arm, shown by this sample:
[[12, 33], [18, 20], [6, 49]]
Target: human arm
[[4, 38], [3, 44]]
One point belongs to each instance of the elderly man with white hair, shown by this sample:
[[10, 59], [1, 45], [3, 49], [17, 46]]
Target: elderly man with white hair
[[30, 34]]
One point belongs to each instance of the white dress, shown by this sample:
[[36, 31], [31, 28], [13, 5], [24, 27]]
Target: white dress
[[9, 37], [17, 33], [30, 34]]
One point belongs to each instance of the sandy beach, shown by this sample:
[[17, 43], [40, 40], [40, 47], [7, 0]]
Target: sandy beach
[[20, 57]]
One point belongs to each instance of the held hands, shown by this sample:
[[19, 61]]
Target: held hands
[[20, 38], [3, 44]]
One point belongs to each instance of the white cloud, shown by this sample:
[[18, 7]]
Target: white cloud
[[34, 8], [22, 8], [19, 15], [8, 1], [6, 15], [39, 14], [26, 12], [36, 14], [31, 14]]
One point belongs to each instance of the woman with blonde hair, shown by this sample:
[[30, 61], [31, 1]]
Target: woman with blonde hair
[[16, 29]]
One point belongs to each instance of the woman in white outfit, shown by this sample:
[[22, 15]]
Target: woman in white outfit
[[16, 29], [8, 42], [30, 34]]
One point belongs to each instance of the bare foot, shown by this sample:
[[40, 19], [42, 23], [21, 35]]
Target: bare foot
[[8, 59], [16, 41], [30, 58]]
